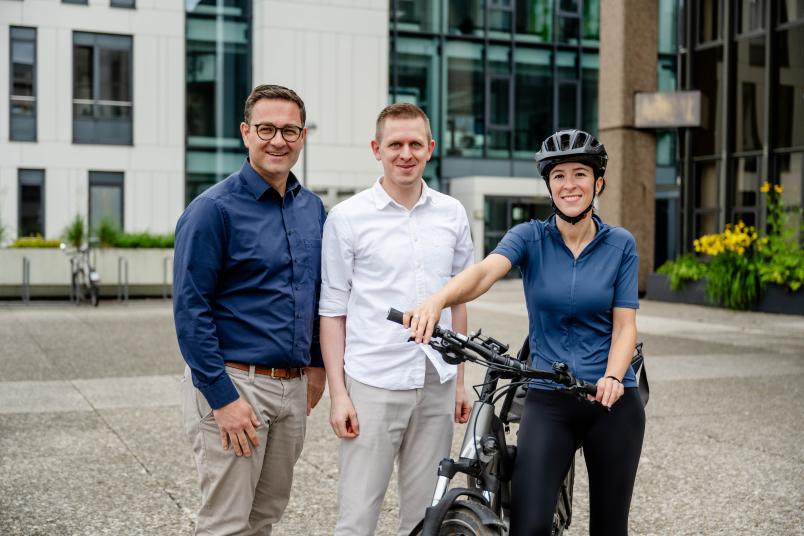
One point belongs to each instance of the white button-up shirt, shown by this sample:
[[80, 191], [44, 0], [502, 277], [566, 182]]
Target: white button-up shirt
[[376, 254]]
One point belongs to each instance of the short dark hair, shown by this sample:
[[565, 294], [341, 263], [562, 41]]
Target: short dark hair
[[401, 110], [272, 91]]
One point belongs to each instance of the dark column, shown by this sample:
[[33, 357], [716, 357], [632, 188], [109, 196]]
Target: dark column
[[628, 57]]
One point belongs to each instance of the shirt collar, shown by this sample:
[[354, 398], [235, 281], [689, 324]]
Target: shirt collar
[[258, 186], [382, 199], [552, 228]]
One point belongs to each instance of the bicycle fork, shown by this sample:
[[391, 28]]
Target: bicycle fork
[[478, 449]]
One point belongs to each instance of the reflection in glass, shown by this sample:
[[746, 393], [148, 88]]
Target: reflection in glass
[[535, 19], [791, 10], [790, 167], [105, 199], [591, 22], [567, 88], [22, 98], [569, 29], [666, 149], [465, 99], [708, 20], [746, 181], [666, 76], [102, 88], [668, 26], [416, 15], [706, 223], [417, 75], [218, 81], [790, 96], [708, 66], [706, 185], [750, 16], [533, 120], [466, 17], [750, 85], [32, 201], [589, 74]]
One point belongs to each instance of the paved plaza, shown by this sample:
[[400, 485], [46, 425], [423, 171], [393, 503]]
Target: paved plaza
[[91, 440]]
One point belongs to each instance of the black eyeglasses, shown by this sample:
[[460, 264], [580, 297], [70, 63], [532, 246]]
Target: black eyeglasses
[[267, 131]]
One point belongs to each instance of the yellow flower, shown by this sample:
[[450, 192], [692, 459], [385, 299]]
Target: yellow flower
[[778, 188], [765, 188]]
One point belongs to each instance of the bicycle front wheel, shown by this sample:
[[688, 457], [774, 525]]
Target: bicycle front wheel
[[462, 521]]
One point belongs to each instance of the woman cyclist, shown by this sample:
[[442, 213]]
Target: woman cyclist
[[580, 282]]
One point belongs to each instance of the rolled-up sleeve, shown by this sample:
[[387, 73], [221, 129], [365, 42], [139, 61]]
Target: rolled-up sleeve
[[464, 250], [198, 259], [337, 265]]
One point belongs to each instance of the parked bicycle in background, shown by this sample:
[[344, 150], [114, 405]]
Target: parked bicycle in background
[[84, 280]]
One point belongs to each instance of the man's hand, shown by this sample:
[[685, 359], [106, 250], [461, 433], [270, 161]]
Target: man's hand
[[316, 380], [343, 417], [462, 405], [236, 422]]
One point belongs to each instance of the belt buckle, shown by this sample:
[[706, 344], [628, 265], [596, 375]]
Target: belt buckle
[[273, 373]]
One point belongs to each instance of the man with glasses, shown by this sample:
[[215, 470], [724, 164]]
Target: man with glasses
[[246, 282]]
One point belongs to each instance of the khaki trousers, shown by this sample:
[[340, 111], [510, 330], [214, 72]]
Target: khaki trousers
[[239, 495], [412, 426]]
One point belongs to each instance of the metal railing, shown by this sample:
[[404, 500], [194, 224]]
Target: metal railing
[[122, 279], [165, 262], [26, 280]]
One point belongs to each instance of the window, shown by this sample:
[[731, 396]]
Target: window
[[22, 93], [416, 15], [417, 75], [533, 119], [217, 41], [465, 99], [124, 3], [31, 202], [105, 199], [750, 16], [534, 20], [81, 2], [102, 88]]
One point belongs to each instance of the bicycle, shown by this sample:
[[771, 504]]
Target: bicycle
[[482, 508], [85, 280]]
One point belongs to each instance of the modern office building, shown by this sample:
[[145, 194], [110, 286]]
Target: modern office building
[[127, 109]]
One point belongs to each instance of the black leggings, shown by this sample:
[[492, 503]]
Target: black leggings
[[553, 426]]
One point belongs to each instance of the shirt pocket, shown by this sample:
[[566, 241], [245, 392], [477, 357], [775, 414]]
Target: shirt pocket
[[439, 250]]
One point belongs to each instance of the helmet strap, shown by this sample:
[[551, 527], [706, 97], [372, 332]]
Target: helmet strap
[[573, 219]]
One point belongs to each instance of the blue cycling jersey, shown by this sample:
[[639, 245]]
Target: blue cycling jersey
[[570, 300]]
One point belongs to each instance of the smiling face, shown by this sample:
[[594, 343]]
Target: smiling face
[[403, 149], [572, 187], [273, 159]]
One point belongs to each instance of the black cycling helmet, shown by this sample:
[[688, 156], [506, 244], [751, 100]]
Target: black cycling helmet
[[572, 146]]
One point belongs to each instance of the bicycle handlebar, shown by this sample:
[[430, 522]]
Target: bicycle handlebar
[[460, 343]]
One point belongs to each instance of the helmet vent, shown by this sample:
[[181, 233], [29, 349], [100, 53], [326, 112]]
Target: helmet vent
[[550, 144], [564, 141], [580, 140]]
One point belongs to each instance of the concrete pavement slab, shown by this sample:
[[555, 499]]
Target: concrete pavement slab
[[41, 397]]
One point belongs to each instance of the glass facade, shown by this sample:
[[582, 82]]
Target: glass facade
[[495, 77], [747, 61], [102, 88], [22, 89], [218, 80]]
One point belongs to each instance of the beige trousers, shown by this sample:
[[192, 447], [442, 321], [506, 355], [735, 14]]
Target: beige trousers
[[239, 495], [413, 427]]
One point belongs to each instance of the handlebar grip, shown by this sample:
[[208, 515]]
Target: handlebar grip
[[588, 388], [395, 315]]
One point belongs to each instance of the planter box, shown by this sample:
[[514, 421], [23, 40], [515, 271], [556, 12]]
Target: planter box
[[150, 271], [773, 299]]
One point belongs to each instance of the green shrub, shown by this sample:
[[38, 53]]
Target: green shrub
[[35, 242], [143, 240], [107, 233], [75, 232], [683, 270]]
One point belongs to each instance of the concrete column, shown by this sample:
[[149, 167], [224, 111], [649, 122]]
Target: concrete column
[[628, 56]]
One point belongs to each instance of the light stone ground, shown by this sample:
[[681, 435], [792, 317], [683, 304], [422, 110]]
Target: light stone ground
[[91, 440]]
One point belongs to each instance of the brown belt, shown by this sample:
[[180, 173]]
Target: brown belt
[[281, 373]]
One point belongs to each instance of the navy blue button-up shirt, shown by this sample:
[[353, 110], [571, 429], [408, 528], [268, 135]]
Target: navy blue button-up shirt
[[246, 278]]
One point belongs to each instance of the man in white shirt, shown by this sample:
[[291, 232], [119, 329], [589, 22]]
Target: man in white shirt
[[391, 245]]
